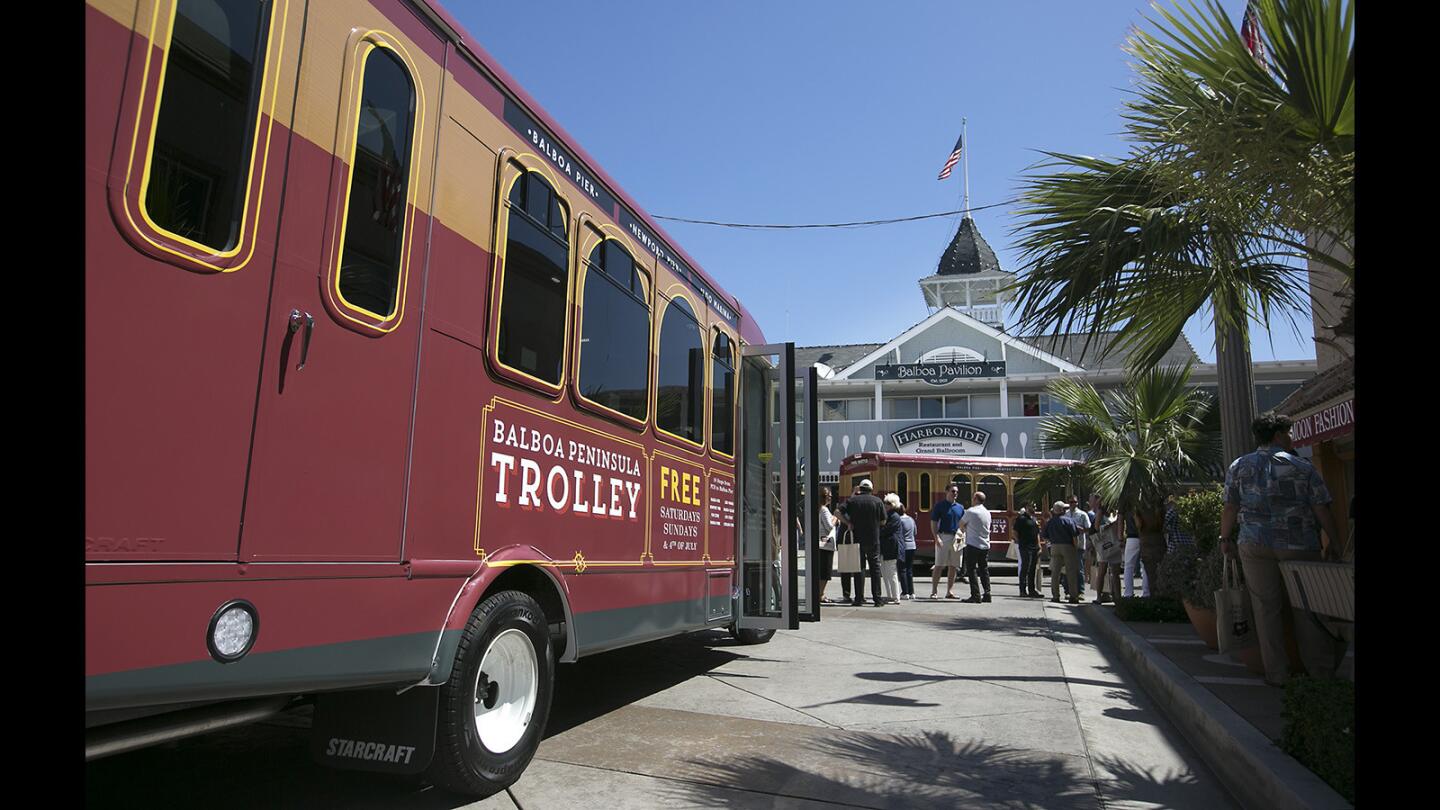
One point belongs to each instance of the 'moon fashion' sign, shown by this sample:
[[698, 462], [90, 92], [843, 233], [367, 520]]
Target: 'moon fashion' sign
[[941, 439]]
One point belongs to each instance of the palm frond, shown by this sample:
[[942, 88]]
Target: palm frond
[[1137, 441]]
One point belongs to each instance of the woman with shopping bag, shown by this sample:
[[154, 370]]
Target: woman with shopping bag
[[825, 545], [1110, 553]]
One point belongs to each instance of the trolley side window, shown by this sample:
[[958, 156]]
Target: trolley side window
[[205, 126], [996, 493], [722, 394], [370, 257], [925, 494], [532, 298], [902, 488], [615, 332], [962, 480], [680, 385]]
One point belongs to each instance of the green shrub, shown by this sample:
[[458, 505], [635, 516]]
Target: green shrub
[[1200, 516], [1177, 571], [1187, 574], [1150, 609], [1319, 716], [1209, 575]]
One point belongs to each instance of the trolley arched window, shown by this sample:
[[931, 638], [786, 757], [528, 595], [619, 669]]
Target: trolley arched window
[[902, 488], [962, 481], [926, 496], [680, 385], [722, 394], [615, 332], [375, 215], [996, 493], [205, 128], [535, 272]]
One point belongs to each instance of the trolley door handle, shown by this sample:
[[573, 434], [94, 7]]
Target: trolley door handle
[[296, 318]]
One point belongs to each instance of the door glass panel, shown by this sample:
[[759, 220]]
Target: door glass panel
[[761, 588], [807, 483], [777, 447]]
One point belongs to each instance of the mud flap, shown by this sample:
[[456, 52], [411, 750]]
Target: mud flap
[[376, 730]]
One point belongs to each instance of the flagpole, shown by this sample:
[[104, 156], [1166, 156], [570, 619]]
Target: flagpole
[[965, 156]]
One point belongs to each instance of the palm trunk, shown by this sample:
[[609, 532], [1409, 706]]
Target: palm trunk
[[1237, 390]]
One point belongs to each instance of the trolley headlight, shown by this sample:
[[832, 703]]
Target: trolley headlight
[[232, 630]]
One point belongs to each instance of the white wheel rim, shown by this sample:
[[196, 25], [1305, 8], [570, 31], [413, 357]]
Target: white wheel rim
[[505, 690]]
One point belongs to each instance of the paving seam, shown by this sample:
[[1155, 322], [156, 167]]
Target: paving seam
[[1237, 752], [510, 791], [827, 724], [703, 782], [962, 717], [1084, 738], [994, 683]]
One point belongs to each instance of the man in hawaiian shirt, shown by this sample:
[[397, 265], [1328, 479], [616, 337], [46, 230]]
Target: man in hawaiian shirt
[[1278, 502]]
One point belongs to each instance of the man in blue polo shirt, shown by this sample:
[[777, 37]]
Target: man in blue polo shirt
[[944, 523], [1060, 534]]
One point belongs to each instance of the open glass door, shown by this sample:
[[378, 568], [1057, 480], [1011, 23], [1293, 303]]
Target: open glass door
[[807, 485], [775, 578]]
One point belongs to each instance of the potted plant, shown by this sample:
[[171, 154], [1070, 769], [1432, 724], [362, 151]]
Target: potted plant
[[1193, 572], [1195, 578]]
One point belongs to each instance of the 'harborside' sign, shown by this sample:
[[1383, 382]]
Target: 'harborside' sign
[[941, 439], [940, 373]]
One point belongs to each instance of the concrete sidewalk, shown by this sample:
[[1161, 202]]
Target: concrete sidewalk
[[926, 704], [1231, 716]]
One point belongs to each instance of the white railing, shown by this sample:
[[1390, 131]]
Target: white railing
[[986, 314]]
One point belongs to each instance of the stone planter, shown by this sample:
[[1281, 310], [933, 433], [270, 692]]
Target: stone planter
[[1203, 619]]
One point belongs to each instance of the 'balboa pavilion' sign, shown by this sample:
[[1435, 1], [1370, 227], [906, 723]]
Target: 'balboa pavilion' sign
[[940, 373], [941, 439]]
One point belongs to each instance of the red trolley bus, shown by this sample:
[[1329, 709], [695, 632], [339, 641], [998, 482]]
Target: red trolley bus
[[394, 397], [921, 480]]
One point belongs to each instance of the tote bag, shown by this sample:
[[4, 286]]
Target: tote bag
[[1109, 547], [847, 557], [1233, 616], [1013, 553]]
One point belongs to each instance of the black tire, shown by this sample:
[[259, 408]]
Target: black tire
[[463, 763], [748, 635]]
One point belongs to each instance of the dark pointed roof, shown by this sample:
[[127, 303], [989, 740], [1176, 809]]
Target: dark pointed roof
[[968, 253]]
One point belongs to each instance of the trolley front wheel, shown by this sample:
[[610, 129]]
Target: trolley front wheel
[[494, 707]]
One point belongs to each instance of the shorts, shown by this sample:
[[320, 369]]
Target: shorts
[[945, 551]]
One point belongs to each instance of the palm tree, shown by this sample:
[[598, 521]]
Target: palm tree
[[1239, 171], [1139, 442]]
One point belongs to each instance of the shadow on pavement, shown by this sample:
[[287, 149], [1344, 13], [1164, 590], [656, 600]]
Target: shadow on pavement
[[600, 684], [931, 770], [1033, 626]]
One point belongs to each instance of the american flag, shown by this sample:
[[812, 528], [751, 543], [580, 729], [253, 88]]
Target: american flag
[[953, 159], [1250, 33]]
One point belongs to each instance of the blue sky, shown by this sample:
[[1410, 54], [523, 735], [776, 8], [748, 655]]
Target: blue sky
[[812, 112]]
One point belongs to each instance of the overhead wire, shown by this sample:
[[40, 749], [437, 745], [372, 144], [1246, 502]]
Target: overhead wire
[[861, 224]]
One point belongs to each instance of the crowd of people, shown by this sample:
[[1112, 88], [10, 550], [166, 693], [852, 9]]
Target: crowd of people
[[1097, 547], [1275, 507]]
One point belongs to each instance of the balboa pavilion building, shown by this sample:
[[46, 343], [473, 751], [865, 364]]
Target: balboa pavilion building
[[957, 383]]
